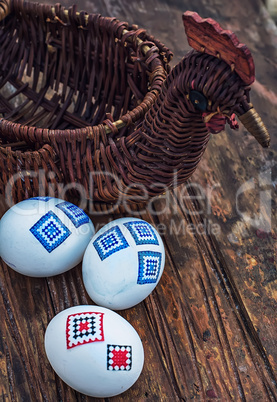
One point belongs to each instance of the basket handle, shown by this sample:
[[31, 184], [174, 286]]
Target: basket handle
[[5, 8]]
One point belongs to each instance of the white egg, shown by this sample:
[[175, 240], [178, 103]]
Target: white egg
[[123, 263], [44, 236], [94, 350]]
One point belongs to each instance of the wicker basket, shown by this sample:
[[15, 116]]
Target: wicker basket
[[89, 103], [71, 84]]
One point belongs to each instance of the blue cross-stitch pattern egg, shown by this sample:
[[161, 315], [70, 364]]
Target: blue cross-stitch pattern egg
[[44, 236], [123, 263]]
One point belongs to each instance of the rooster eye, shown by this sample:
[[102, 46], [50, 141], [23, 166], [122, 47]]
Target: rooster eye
[[198, 100]]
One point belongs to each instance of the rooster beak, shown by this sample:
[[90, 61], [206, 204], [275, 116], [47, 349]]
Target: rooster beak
[[254, 124]]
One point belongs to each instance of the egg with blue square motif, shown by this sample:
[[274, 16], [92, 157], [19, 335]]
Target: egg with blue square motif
[[44, 236], [123, 263]]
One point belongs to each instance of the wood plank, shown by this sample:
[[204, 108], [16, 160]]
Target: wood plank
[[221, 330]]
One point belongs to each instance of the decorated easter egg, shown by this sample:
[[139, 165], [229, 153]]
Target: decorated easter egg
[[44, 236], [94, 350], [123, 263]]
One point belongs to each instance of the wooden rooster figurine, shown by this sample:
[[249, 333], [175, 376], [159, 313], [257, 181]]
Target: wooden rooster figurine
[[199, 96], [110, 163]]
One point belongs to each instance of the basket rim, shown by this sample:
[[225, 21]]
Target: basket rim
[[146, 47]]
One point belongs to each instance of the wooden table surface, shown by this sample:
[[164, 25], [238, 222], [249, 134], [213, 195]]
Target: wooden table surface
[[209, 328]]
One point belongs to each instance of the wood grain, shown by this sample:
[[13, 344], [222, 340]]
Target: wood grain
[[209, 328]]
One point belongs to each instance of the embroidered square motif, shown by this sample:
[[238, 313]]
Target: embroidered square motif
[[74, 213], [119, 358], [149, 266], [45, 199], [142, 232], [50, 231], [110, 242], [83, 328]]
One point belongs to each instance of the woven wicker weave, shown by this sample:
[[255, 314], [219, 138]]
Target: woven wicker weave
[[90, 102], [81, 73]]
